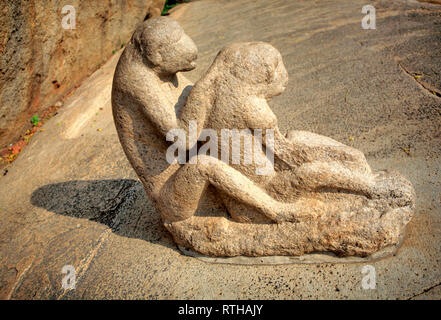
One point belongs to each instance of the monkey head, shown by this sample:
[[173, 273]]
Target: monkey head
[[163, 43]]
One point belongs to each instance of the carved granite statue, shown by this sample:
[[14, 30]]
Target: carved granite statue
[[320, 196]]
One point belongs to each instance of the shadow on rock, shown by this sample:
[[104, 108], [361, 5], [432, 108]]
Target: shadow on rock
[[120, 204]]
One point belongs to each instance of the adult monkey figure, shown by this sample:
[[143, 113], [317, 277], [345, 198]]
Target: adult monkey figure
[[148, 91]]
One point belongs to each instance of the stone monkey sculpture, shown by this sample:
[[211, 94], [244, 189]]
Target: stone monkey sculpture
[[150, 97]]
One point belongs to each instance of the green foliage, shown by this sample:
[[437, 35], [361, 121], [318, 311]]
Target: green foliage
[[35, 120], [168, 5]]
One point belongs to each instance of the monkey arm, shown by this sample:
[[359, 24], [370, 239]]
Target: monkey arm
[[162, 115], [195, 112], [197, 108], [260, 116]]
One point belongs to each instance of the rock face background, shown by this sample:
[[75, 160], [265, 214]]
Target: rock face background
[[40, 62]]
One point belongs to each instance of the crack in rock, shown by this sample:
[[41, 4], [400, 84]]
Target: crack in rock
[[425, 291], [424, 86]]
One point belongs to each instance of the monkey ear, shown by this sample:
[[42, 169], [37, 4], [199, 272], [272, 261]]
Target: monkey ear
[[156, 57], [271, 69], [137, 43], [270, 73], [154, 54]]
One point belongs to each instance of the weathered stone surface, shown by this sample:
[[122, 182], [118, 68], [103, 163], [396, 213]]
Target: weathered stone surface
[[40, 62], [130, 255], [310, 258], [320, 196], [431, 1]]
